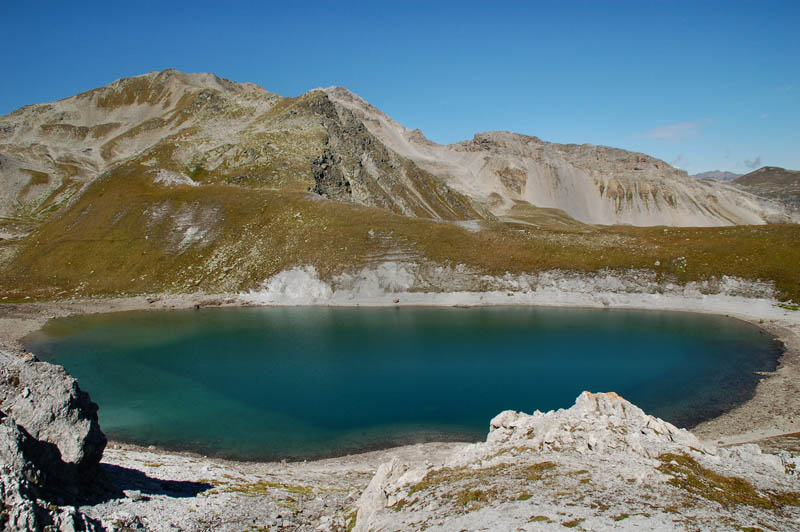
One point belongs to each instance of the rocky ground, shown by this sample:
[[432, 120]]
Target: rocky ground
[[601, 465], [774, 410], [168, 491]]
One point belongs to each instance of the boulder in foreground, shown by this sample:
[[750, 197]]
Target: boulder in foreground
[[50, 444]]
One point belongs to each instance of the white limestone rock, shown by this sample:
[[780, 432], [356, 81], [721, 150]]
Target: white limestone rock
[[48, 403], [603, 464]]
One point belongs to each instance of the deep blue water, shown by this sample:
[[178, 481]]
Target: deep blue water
[[267, 383]]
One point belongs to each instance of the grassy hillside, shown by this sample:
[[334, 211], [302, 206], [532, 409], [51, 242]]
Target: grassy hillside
[[127, 235]]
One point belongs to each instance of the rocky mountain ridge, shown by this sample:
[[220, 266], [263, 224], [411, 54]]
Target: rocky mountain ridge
[[176, 183], [720, 175], [207, 130], [592, 184], [331, 142]]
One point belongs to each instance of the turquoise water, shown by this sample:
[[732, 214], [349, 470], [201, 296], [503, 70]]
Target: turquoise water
[[267, 383]]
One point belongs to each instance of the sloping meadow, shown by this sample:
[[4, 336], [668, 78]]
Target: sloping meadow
[[129, 235]]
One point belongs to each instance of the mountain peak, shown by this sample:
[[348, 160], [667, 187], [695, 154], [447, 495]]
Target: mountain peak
[[171, 78], [350, 99]]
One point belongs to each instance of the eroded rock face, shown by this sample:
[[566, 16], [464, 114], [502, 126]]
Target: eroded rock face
[[50, 441], [592, 184], [602, 464], [26, 481], [48, 403]]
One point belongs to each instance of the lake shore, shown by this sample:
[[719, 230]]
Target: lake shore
[[773, 410]]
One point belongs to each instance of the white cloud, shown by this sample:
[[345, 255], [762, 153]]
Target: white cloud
[[675, 131]]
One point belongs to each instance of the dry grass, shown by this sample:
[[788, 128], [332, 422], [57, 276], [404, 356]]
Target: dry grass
[[687, 474], [447, 476], [537, 471], [105, 243], [475, 498], [263, 487]]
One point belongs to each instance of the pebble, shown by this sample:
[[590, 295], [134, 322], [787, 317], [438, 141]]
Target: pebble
[[134, 495]]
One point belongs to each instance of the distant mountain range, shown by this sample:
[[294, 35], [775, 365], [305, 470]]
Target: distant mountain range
[[769, 182], [716, 174]]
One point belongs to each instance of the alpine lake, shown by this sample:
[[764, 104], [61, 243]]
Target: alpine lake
[[274, 383]]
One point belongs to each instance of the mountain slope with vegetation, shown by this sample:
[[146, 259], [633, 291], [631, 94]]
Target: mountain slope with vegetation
[[774, 183], [173, 182]]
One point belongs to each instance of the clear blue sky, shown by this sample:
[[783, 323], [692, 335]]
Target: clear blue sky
[[703, 85]]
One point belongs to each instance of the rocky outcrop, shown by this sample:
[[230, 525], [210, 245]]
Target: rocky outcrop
[[48, 403], [26, 491], [50, 443], [601, 464], [357, 167]]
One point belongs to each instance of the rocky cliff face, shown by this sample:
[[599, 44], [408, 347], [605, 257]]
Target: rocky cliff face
[[50, 444], [602, 464], [592, 184]]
